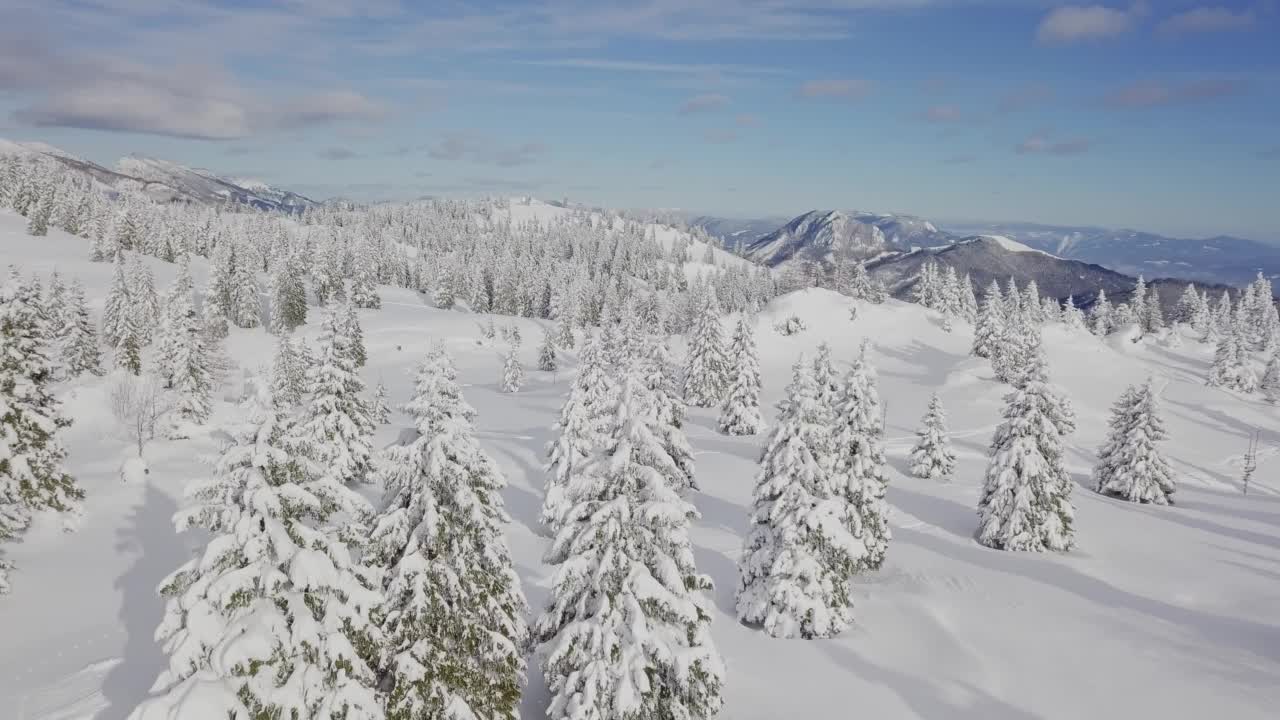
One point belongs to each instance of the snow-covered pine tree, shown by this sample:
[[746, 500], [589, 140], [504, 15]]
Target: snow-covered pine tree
[[858, 477], [337, 426], [579, 435], [143, 301], [1072, 317], [32, 478], [932, 456], [1026, 501], [288, 298], [1130, 465], [128, 355], [1232, 367], [355, 334], [826, 378], [740, 414], [245, 307], [186, 362], [1152, 315], [271, 619], [799, 554], [118, 306], [547, 361], [1102, 319], [706, 367], [512, 372], [288, 373], [1270, 383], [80, 353], [1188, 306], [381, 408], [454, 614], [989, 330], [627, 628], [364, 290]]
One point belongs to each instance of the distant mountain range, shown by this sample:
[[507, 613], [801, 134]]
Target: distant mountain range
[[823, 235], [165, 181]]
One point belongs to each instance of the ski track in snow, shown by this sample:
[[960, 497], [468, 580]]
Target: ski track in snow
[[1160, 612]]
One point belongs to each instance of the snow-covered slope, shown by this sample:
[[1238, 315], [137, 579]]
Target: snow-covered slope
[[1161, 612], [209, 188]]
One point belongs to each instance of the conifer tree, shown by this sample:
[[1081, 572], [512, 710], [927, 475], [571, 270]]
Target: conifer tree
[[143, 302], [269, 567], [337, 425], [1270, 383], [826, 378], [627, 628], [186, 362], [932, 456], [989, 330], [244, 309], [799, 555], [1102, 320], [547, 352], [1232, 368], [32, 477], [1130, 465], [381, 409], [454, 614], [740, 414], [706, 367], [1025, 503], [288, 298], [355, 334], [579, 436], [80, 352], [129, 350], [858, 477], [512, 372], [1188, 306], [288, 373], [118, 307]]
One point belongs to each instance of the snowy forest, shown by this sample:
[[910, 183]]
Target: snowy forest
[[316, 392]]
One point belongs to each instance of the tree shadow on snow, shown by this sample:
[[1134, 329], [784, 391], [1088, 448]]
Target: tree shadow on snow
[[151, 538], [724, 573], [1258, 639], [926, 698], [935, 364], [944, 514]]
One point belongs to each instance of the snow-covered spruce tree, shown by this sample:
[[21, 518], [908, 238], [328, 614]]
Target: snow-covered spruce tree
[[706, 367], [1232, 368], [245, 308], [288, 298], [143, 301], [547, 352], [188, 366], [32, 478], [579, 432], [128, 355], [454, 614], [826, 378], [1072, 317], [337, 425], [1009, 353], [80, 353], [1026, 494], [740, 414], [271, 619], [858, 477], [1102, 320], [364, 290], [1270, 383], [118, 306], [932, 456], [799, 554], [1188, 306], [288, 373], [1130, 465], [627, 627], [989, 330], [657, 373], [512, 372], [381, 408], [355, 334]]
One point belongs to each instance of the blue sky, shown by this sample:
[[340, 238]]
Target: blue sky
[[1160, 115]]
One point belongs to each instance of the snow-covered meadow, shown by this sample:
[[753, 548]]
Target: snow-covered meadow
[[1166, 612]]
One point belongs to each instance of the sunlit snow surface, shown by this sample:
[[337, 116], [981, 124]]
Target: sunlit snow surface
[[1159, 613]]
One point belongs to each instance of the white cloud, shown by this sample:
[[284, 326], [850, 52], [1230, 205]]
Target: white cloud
[[1077, 23], [471, 147], [1141, 95], [943, 114], [1043, 143]]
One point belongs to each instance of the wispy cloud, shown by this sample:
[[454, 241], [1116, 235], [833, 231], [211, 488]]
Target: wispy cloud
[[703, 103], [847, 89], [1149, 94], [485, 151], [747, 120], [1041, 143], [1078, 23], [1207, 20], [338, 153]]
